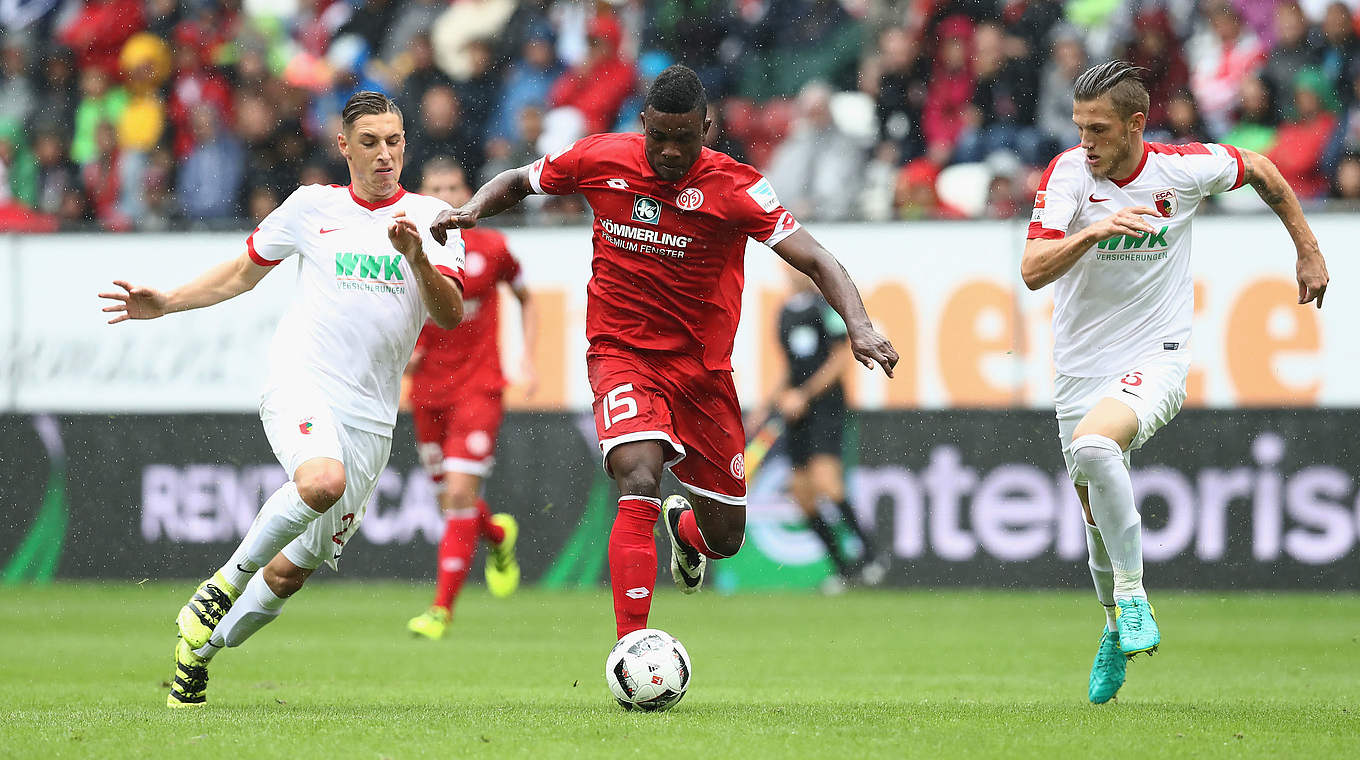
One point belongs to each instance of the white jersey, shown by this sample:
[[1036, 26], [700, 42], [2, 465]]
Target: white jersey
[[357, 310], [1128, 298]]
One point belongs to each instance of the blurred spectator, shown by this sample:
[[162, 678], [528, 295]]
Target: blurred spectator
[[158, 203], [692, 32], [56, 92], [194, 83], [210, 178], [1002, 202], [162, 16], [257, 127], [464, 22], [440, 131], [420, 73], [1346, 185], [1183, 122], [1340, 49], [718, 138], [1220, 59], [369, 22], [1156, 49], [1296, 46], [413, 19], [915, 197], [97, 30], [816, 166], [101, 178], [75, 211], [17, 95], [1304, 135], [900, 91], [527, 83], [145, 62], [260, 203], [56, 174], [1057, 85], [99, 104], [478, 90], [950, 92], [600, 84], [1003, 99], [1256, 117]]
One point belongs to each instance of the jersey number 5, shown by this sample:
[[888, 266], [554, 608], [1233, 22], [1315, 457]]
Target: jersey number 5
[[618, 407]]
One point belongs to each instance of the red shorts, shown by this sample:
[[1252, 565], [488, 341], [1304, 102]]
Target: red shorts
[[672, 398], [460, 438]]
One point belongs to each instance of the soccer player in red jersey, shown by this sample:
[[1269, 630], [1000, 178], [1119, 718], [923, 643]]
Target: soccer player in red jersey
[[456, 386], [670, 230]]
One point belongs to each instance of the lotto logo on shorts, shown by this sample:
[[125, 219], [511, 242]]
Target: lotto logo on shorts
[[738, 466], [305, 427]]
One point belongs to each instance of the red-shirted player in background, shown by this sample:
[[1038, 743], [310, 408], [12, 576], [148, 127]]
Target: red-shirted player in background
[[456, 386], [671, 222]]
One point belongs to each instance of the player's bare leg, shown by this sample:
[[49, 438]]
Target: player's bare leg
[[636, 468]]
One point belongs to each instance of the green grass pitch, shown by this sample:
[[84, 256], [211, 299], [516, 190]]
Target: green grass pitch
[[895, 674]]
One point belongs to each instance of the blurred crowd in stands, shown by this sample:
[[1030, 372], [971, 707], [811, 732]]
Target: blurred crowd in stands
[[204, 114]]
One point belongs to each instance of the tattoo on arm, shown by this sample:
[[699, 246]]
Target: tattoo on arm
[[1273, 196]]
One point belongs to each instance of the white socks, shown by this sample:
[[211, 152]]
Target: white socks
[[1110, 493], [1101, 573], [256, 608], [282, 518]]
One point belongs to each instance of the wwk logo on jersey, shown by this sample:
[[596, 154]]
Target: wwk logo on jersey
[[646, 210], [365, 271]]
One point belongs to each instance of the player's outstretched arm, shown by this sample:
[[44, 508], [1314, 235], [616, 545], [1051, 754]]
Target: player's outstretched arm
[[1311, 270], [805, 254], [1046, 260], [441, 296], [227, 280], [503, 192]]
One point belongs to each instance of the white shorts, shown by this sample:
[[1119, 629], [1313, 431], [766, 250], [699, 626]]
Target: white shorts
[[1154, 390], [301, 426]]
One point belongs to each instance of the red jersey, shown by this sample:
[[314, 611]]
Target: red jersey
[[667, 268], [467, 359]]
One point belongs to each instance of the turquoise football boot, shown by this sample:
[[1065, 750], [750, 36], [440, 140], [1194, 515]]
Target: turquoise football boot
[[1107, 672], [1138, 630]]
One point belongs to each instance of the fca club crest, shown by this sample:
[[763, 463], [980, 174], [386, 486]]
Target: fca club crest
[[646, 210], [1165, 202]]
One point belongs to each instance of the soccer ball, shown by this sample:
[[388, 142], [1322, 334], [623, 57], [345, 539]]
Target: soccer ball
[[647, 670]]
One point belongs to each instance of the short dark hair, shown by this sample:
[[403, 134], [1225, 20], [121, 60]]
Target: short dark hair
[[367, 103], [1122, 80], [677, 90]]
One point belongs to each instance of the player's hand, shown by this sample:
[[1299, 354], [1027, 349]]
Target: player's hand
[[1313, 277], [872, 349], [792, 404], [405, 237], [135, 302], [460, 218], [1126, 221]]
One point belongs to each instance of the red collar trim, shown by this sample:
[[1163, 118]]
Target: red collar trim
[[1137, 170], [380, 204]]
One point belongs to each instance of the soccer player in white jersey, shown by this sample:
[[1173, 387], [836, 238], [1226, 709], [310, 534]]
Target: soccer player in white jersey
[[1111, 230], [367, 275]]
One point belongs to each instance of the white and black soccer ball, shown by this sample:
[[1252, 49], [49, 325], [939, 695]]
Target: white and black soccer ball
[[647, 670]]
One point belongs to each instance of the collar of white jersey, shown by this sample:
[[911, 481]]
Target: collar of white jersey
[[374, 206]]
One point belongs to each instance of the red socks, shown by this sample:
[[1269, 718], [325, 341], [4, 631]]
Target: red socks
[[689, 533], [455, 557], [632, 561], [493, 532]]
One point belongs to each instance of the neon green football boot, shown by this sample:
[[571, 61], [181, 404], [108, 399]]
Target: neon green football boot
[[502, 569], [1138, 630], [205, 609], [189, 685], [431, 623], [1107, 672]]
